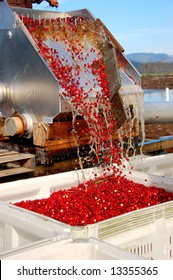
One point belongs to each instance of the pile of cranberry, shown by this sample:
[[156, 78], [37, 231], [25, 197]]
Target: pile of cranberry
[[97, 200], [108, 196]]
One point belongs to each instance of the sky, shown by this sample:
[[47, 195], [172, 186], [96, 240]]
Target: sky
[[138, 25]]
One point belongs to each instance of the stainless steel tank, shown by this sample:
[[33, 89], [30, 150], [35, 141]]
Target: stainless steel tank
[[29, 90]]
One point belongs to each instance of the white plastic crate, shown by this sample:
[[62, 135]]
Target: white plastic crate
[[42, 187], [19, 228], [69, 249], [147, 232], [161, 165], [105, 230]]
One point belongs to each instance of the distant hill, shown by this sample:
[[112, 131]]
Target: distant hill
[[150, 57], [151, 63]]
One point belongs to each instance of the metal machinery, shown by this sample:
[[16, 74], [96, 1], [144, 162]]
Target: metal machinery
[[33, 107]]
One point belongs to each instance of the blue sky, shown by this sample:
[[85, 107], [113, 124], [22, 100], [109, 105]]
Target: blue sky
[[138, 25]]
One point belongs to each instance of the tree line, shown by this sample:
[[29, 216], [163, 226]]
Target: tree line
[[154, 67]]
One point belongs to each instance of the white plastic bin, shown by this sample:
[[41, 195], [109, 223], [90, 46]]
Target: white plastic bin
[[42, 187], [69, 249], [161, 165], [147, 232], [105, 230], [19, 227]]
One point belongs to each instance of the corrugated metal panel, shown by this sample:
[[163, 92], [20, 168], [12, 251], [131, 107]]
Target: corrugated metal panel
[[125, 79]]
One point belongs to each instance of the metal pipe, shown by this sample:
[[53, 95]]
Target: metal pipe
[[19, 125], [14, 126], [167, 94]]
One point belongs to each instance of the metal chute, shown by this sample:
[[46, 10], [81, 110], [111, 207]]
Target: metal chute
[[28, 87]]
